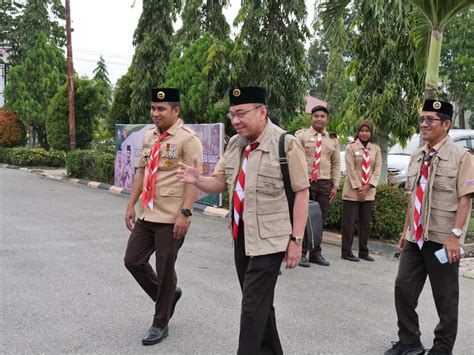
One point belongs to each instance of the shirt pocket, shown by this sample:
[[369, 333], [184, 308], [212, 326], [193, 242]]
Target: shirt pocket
[[229, 174], [274, 225], [269, 179], [445, 179], [176, 190], [411, 178]]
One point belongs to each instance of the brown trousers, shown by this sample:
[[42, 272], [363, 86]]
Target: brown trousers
[[145, 239], [320, 191], [415, 265], [353, 211], [257, 277]]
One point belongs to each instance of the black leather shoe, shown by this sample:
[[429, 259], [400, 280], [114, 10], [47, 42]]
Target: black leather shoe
[[438, 352], [350, 257], [367, 258], [304, 262], [318, 259], [155, 335], [177, 295], [405, 349]]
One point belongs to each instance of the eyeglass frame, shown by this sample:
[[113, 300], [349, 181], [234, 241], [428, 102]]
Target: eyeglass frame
[[240, 114], [429, 120]]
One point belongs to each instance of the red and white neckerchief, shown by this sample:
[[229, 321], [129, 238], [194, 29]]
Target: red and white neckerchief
[[420, 190], [365, 167], [317, 157], [239, 191], [152, 170]]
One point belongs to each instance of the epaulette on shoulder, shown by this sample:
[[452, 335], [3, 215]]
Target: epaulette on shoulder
[[300, 130], [332, 135], [188, 129]]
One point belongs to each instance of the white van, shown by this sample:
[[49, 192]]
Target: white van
[[399, 157]]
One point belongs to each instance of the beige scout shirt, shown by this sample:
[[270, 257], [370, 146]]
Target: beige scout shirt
[[181, 146], [353, 180], [330, 166], [266, 215], [451, 176]]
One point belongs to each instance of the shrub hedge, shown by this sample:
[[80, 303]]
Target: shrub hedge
[[22, 156], [91, 165], [12, 130], [388, 215]]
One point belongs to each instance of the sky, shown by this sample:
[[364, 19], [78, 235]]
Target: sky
[[105, 27]]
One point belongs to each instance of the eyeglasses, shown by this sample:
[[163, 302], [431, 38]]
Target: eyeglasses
[[240, 114], [429, 120]]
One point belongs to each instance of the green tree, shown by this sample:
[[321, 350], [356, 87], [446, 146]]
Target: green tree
[[437, 14], [153, 44], [317, 57], [33, 83], [86, 108], [385, 69], [21, 21], [269, 52], [199, 17], [457, 63], [119, 112], [104, 88], [202, 74]]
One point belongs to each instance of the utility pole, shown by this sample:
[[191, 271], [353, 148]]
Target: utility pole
[[70, 81]]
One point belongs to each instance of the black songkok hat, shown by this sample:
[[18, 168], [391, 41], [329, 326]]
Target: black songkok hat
[[164, 95], [247, 95], [319, 108], [438, 106]]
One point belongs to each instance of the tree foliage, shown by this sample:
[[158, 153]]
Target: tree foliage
[[12, 130], [86, 108], [384, 66], [20, 21], [202, 74], [199, 17], [153, 45], [119, 112], [103, 86], [270, 53], [457, 62], [33, 83], [317, 57]]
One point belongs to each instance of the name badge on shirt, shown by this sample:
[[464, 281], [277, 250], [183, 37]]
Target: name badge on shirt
[[358, 154]]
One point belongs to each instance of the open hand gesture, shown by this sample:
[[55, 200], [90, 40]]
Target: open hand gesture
[[188, 174]]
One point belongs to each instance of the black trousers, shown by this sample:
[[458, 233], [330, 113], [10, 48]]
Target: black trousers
[[257, 277], [145, 239], [415, 265], [320, 191], [353, 211]]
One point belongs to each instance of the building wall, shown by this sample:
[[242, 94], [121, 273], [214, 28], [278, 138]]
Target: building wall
[[3, 72]]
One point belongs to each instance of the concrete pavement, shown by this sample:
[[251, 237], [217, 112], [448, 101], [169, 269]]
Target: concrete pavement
[[65, 289]]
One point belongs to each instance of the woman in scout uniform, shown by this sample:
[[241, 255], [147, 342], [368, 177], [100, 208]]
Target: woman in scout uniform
[[165, 208], [363, 167]]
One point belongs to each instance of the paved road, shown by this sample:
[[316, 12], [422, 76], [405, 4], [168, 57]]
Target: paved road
[[64, 288]]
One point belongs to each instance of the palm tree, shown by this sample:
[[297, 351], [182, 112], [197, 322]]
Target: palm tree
[[437, 14], [433, 16]]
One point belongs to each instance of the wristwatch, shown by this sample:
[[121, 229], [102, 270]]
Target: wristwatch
[[187, 212], [297, 240], [457, 232]]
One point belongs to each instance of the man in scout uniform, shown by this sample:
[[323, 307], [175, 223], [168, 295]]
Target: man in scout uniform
[[260, 218], [165, 208], [324, 169], [440, 181]]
